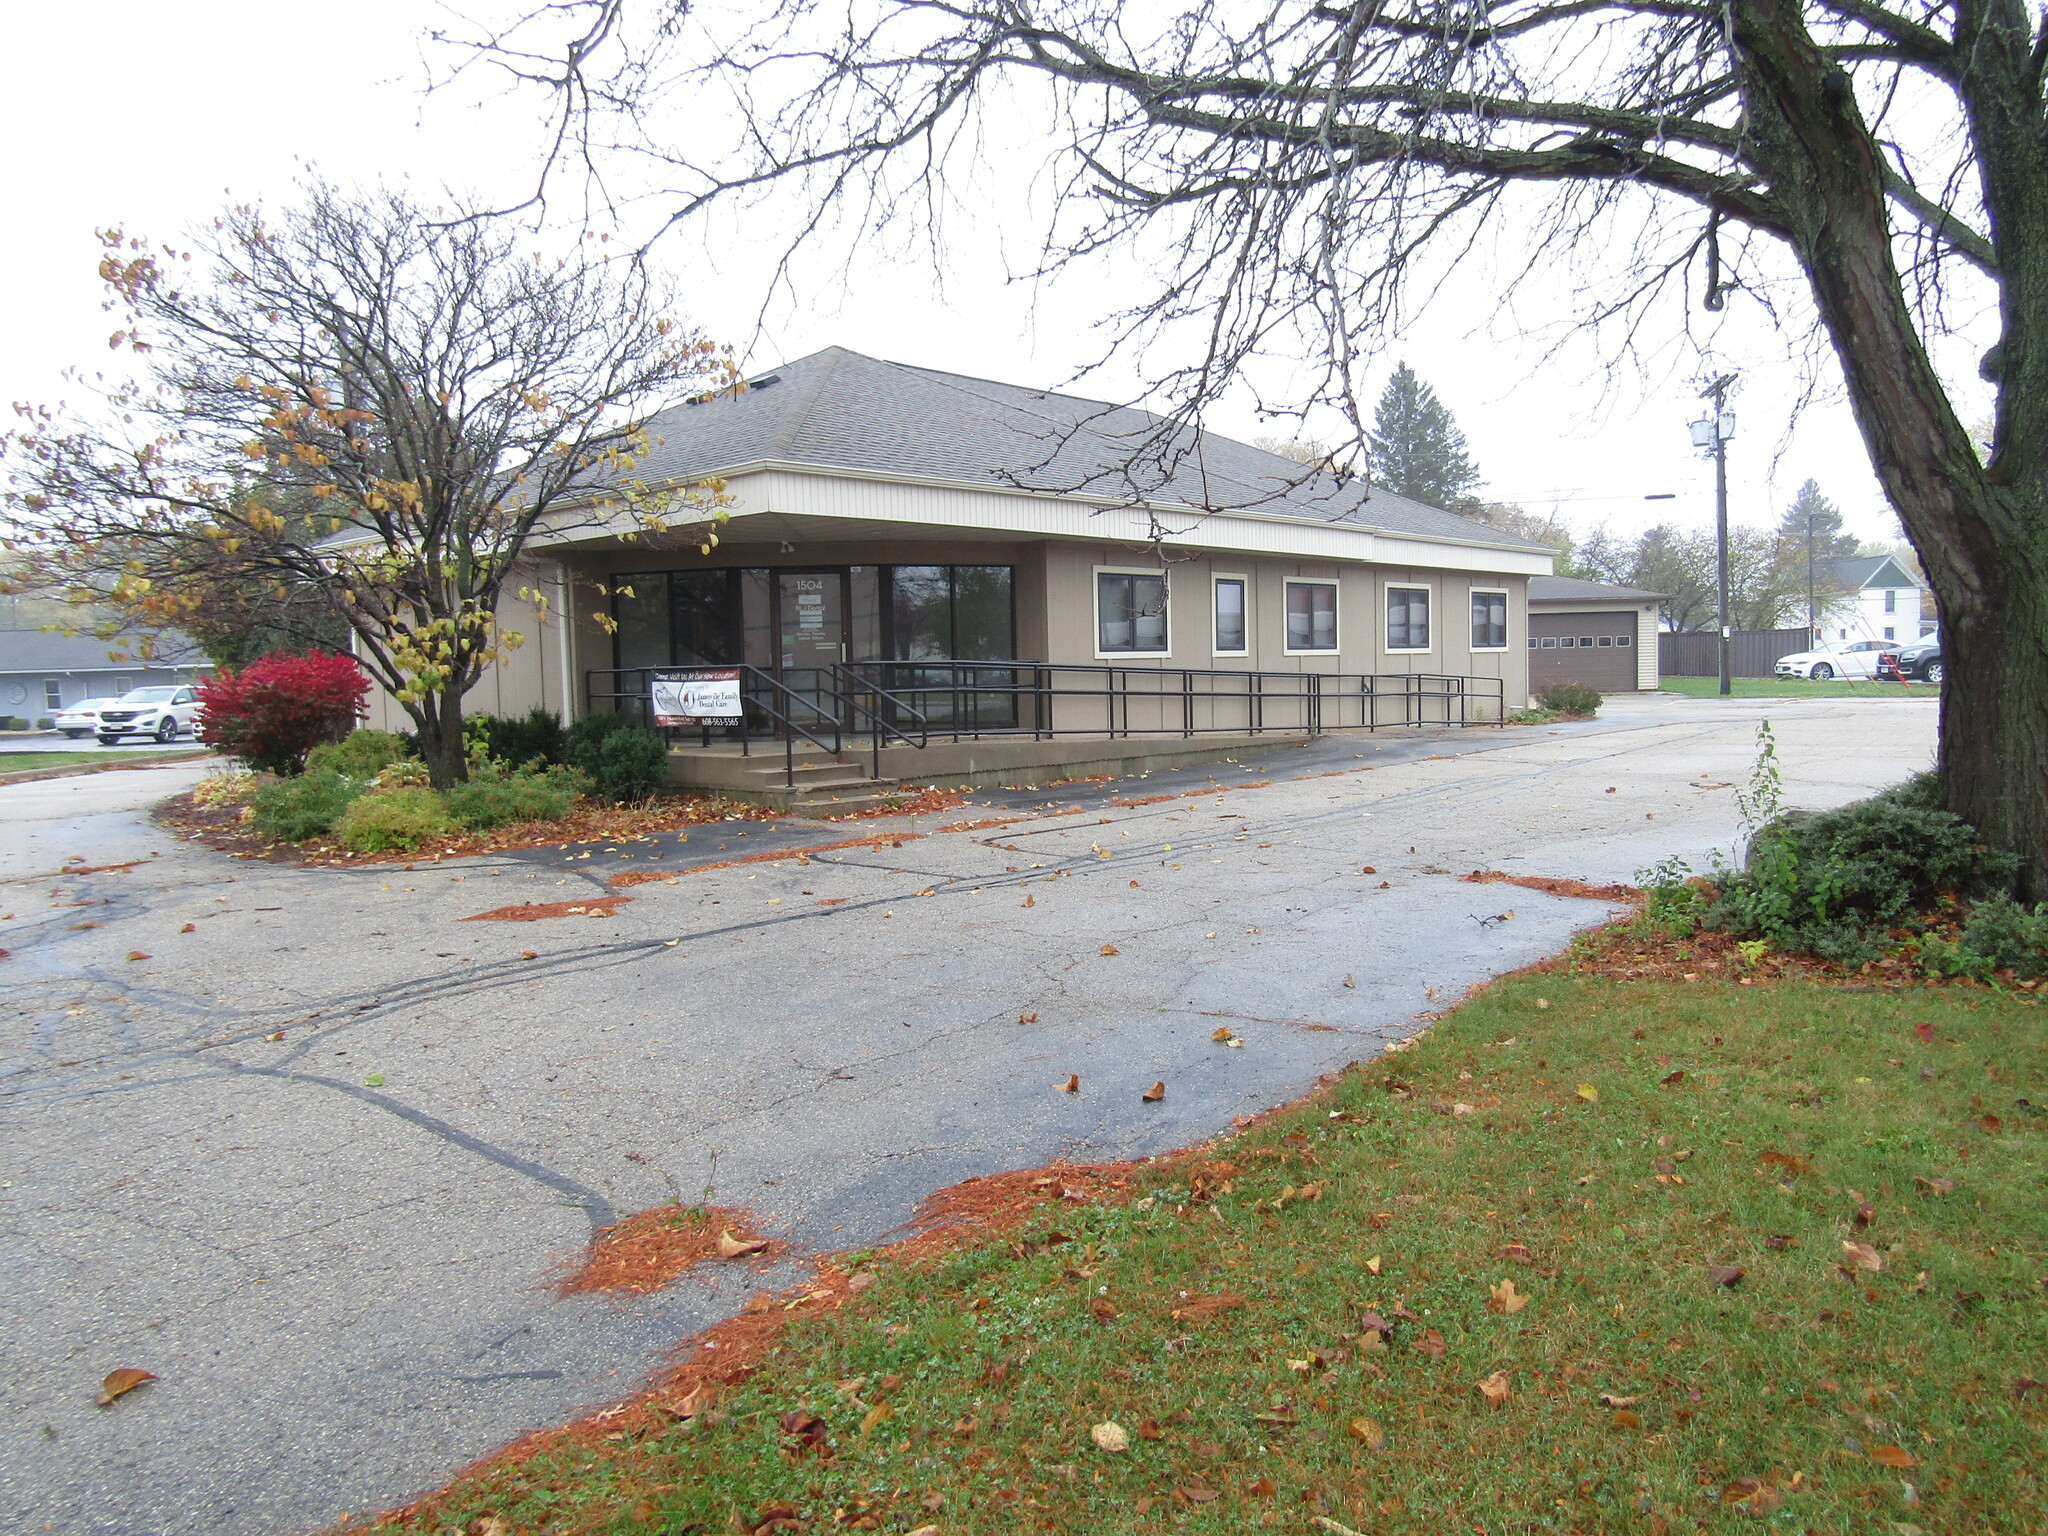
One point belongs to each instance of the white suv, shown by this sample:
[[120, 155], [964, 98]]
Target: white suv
[[162, 711]]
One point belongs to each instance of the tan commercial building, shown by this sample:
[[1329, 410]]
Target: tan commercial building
[[975, 558]]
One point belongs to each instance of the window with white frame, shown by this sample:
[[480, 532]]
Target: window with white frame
[[1407, 618], [1232, 636], [1489, 620], [1891, 599], [1311, 616], [1130, 613], [53, 694]]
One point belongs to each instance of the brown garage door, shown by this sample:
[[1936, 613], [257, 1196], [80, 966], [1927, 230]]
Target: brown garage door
[[1597, 649]]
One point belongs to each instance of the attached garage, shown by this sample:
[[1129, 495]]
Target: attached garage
[[1590, 632]]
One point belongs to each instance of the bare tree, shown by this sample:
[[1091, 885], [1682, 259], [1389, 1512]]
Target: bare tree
[[373, 407], [1288, 168]]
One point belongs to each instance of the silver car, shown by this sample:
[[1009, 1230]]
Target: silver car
[[82, 718]]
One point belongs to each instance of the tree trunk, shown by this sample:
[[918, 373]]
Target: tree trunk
[[441, 738], [1981, 534], [1994, 703]]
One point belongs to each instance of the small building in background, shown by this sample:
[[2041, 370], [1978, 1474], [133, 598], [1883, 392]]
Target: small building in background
[[1592, 632], [42, 672]]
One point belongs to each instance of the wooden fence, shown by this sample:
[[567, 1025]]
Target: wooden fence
[[1751, 652]]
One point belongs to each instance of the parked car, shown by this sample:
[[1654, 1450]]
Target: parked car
[[1920, 660], [82, 718], [1849, 658], [161, 711]]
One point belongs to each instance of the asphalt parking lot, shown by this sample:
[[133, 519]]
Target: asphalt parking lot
[[307, 1144]]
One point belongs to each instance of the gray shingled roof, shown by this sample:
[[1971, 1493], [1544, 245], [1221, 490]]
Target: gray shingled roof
[[1570, 589], [1859, 571], [841, 410], [36, 650]]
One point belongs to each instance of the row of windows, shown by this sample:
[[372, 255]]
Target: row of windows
[[1130, 616], [1566, 642]]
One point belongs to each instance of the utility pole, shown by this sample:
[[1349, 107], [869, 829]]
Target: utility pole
[[1812, 616], [1712, 435]]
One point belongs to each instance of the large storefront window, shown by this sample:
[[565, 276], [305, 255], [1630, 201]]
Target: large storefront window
[[784, 619]]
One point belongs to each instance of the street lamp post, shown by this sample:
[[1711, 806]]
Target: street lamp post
[[1711, 435]]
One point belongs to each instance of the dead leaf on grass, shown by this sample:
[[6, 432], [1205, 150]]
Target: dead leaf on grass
[[1625, 1418], [1431, 1344], [1515, 1253], [1671, 1079], [1199, 1309], [1148, 1429], [1753, 1494], [1925, 1032], [1616, 1400], [1778, 1242], [120, 1383], [1494, 1389], [1893, 1456], [1505, 1300], [1792, 1165], [493, 1525], [1589, 1093], [1370, 1432], [1725, 1275], [1935, 1186], [1863, 1256], [1110, 1436]]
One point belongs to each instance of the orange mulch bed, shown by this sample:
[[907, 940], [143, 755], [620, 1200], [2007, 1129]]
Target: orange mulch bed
[[1620, 953], [534, 911], [647, 1250], [1556, 887], [221, 828], [774, 856]]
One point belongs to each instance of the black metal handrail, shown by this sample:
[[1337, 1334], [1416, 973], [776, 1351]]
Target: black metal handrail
[[913, 702], [882, 715], [1133, 701]]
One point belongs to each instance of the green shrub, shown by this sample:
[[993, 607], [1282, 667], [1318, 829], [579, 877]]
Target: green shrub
[[2009, 935], [623, 761], [1675, 900], [361, 754], [45, 723], [293, 810], [1833, 883], [1574, 699], [494, 797], [391, 819], [535, 736]]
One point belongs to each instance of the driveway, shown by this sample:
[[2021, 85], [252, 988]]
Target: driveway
[[307, 1145]]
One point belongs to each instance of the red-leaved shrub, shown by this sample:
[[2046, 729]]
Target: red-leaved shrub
[[278, 708]]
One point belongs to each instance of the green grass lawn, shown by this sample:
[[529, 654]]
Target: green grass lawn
[[16, 762], [1797, 688], [1614, 1157]]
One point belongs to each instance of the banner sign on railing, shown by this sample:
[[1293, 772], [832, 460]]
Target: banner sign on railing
[[700, 696]]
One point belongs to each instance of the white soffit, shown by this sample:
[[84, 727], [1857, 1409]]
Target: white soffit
[[798, 490]]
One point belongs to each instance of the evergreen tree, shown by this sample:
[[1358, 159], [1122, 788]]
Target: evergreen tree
[[1830, 541], [1417, 449]]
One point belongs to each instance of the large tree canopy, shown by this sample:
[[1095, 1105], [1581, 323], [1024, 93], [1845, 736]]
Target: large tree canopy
[[363, 409], [1287, 165]]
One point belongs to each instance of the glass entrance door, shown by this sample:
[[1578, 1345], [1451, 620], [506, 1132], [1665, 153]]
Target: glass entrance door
[[811, 627]]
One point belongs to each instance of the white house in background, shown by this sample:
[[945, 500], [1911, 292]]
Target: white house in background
[[1878, 600]]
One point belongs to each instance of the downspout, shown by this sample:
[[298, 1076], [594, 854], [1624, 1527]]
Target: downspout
[[568, 620]]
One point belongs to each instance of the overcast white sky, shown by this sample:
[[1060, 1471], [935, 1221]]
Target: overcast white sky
[[151, 117]]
